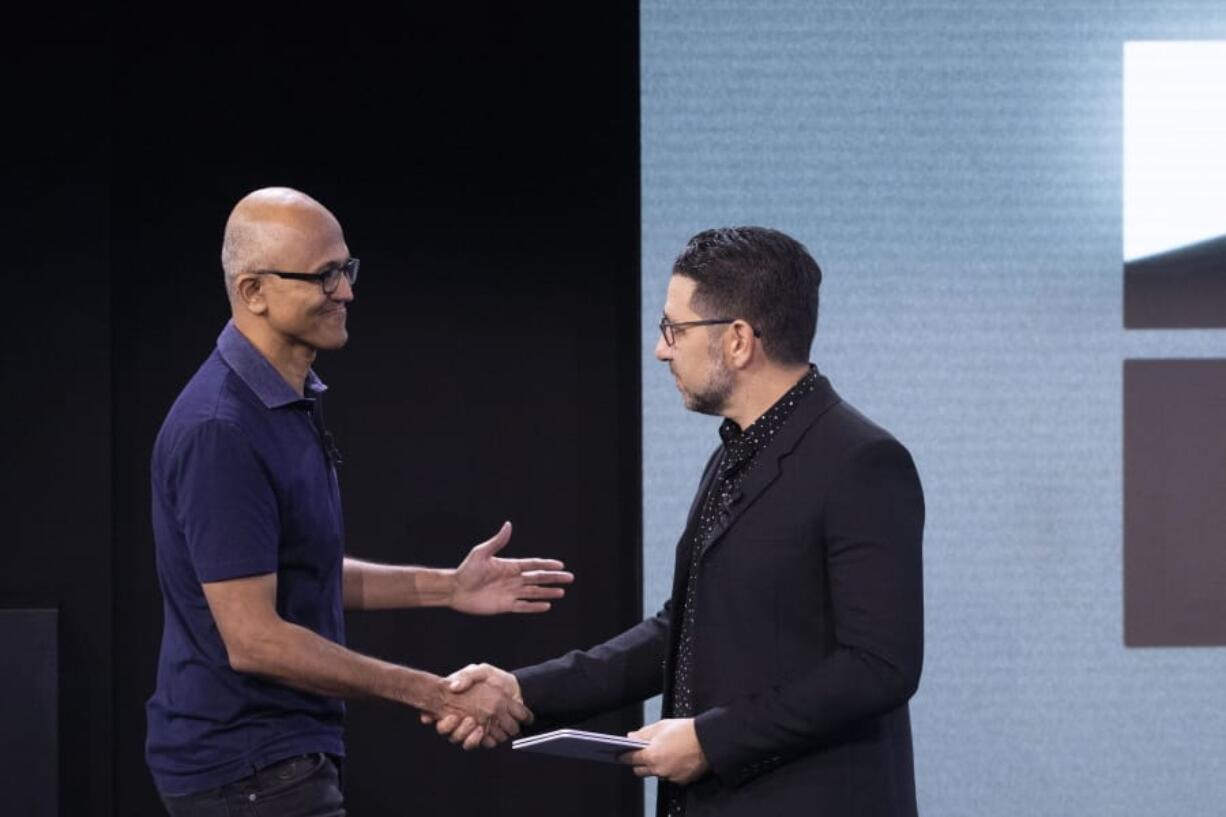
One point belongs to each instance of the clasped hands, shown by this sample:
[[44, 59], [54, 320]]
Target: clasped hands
[[484, 707], [481, 705], [673, 751]]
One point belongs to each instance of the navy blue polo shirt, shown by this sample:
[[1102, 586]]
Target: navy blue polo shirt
[[242, 486]]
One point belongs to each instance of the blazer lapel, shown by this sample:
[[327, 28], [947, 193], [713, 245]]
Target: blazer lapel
[[681, 570], [704, 485], [681, 567], [767, 467]]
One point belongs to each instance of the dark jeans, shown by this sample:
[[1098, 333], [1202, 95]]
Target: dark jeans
[[303, 786]]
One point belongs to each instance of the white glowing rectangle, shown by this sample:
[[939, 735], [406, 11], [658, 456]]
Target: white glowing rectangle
[[1174, 145]]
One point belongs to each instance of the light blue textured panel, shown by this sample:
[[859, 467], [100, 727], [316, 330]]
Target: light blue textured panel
[[956, 170]]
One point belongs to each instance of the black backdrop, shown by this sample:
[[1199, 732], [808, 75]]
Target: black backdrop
[[484, 163]]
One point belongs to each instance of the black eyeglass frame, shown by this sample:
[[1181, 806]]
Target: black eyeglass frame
[[669, 329], [329, 280]]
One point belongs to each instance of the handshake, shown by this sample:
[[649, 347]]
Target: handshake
[[479, 705]]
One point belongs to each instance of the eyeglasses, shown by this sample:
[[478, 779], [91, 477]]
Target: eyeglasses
[[669, 329], [328, 280]]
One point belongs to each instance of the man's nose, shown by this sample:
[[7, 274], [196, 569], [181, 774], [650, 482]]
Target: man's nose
[[664, 352], [343, 291]]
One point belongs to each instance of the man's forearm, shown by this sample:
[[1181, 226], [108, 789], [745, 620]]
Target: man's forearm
[[370, 586], [583, 683], [299, 658]]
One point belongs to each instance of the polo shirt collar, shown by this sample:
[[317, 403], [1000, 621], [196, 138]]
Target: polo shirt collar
[[259, 375]]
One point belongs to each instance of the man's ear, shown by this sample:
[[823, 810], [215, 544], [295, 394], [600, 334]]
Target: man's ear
[[740, 345], [249, 292]]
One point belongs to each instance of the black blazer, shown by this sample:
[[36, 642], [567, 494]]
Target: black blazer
[[808, 629]]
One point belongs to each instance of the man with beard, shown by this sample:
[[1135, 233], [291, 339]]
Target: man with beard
[[250, 546], [794, 636]]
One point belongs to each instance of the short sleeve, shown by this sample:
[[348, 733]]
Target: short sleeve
[[225, 504]]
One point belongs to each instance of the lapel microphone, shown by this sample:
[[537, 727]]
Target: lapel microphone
[[334, 453], [317, 415]]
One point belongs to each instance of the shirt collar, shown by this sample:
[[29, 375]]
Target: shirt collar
[[742, 445], [254, 369]]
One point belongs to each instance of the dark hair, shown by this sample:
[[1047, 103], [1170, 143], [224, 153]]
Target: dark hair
[[761, 276]]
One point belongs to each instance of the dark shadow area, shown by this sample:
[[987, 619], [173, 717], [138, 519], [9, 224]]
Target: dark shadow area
[[484, 162], [29, 710]]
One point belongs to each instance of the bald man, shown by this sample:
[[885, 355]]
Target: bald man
[[251, 551]]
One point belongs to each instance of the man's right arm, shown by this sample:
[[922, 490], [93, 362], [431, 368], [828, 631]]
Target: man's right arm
[[258, 641], [625, 669], [230, 517]]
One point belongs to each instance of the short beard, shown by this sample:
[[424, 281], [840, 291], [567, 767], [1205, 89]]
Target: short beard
[[713, 397]]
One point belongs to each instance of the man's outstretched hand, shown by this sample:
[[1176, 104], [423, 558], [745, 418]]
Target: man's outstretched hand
[[459, 727], [486, 585], [477, 708]]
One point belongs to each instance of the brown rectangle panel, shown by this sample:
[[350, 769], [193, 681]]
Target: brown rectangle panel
[[1181, 289], [1174, 503]]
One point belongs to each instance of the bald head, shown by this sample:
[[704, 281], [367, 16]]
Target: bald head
[[276, 228]]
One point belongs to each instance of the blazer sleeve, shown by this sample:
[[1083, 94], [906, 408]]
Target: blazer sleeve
[[625, 669], [873, 525]]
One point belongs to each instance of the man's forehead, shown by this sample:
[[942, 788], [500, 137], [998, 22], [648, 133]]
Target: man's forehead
[[303, 224], [301, 245], [677, 298]]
